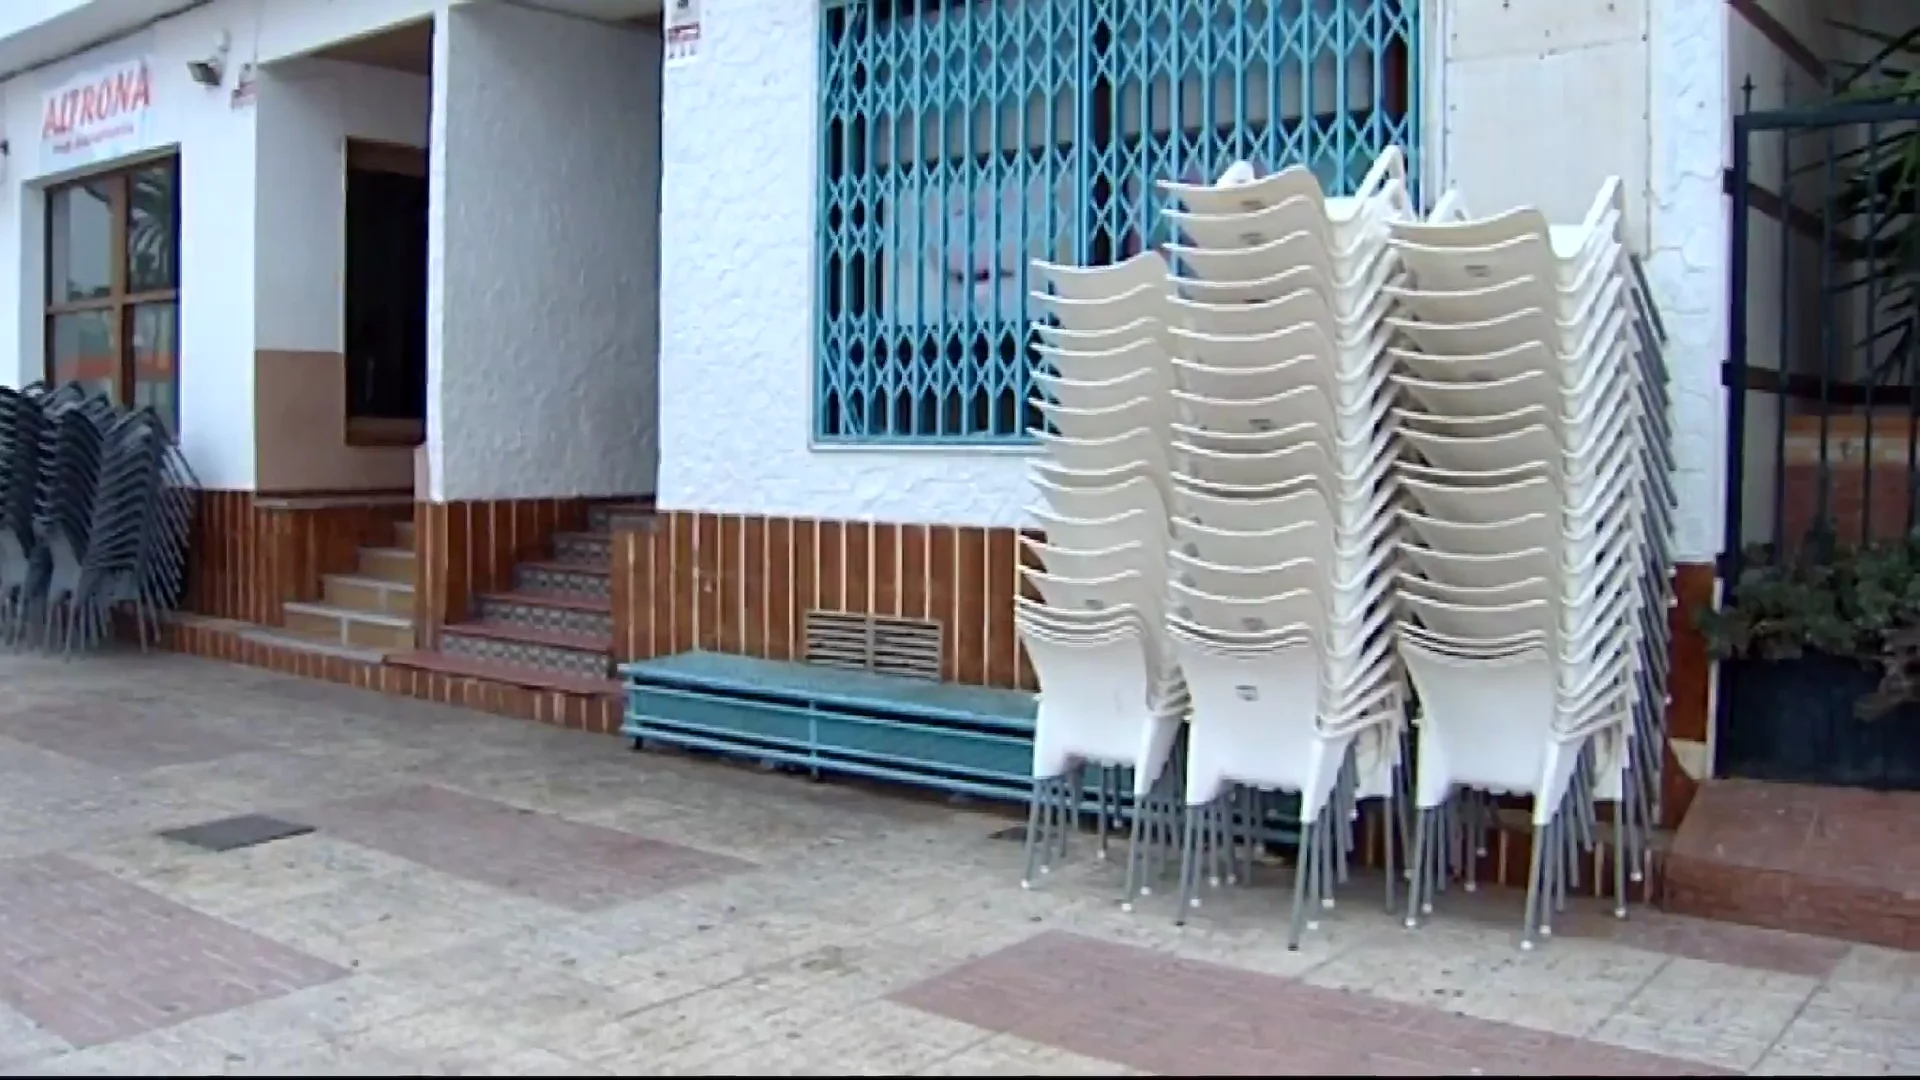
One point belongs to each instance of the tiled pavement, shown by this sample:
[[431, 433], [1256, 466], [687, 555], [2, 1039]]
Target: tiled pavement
[[485, 896]]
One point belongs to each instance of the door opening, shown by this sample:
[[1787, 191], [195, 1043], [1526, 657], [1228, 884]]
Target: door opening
[[386, 294]]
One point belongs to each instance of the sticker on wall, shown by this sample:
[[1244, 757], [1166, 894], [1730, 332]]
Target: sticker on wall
[[683, 32], [244, 88], [97, 115]]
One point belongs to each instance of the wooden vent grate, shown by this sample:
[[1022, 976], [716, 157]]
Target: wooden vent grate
[[881, 644]]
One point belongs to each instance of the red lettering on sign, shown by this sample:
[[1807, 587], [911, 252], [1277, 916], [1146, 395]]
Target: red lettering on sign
[[115, 95]]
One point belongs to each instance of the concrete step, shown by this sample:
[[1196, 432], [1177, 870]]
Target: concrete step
[[345, 626], [387, 564], [286, 639], [377, 595]]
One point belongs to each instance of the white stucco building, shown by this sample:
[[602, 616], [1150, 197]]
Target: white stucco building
[[681, 277], [547, 136]]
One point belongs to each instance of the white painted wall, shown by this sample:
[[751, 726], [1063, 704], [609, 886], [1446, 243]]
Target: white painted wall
[[224, 227], [307, 110], [736, 301], [544, 255], [216, 263], [1541, 102], [1686, 254], [1544, 103]]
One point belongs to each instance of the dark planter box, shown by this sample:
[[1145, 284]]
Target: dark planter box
[[1793, 721]]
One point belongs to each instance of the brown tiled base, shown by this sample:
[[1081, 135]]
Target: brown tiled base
[[1829, 861], [219, 640]]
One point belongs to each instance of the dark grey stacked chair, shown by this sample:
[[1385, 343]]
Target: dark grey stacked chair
[[20, 436], [95, 510]]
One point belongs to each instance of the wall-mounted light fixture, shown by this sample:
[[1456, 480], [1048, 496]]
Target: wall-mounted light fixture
[[212, 71]]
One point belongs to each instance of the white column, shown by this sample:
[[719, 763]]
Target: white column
[[543, 301]]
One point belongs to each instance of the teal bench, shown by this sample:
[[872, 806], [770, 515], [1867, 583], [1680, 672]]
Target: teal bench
[[962, 739]]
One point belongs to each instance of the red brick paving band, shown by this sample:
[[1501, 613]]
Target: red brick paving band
[[1162, 1014], [94, 959], [120, 736], [571, 864]]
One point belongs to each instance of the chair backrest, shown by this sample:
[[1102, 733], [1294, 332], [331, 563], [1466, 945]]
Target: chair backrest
[[1305, 404], [1129, 495], [1106, 422], [1141, 446], [1101, 282], [1108, 312], [1075, 393]]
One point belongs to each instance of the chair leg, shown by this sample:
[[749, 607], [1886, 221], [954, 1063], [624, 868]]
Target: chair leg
[[1034, 829]]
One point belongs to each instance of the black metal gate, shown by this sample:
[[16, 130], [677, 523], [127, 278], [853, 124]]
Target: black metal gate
[[1823, 431], [1823, 424]]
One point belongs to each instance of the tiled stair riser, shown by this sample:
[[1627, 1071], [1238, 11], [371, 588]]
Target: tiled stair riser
[[594, 548], [551, 618], [536, 655], [584, 581], [604, 518]]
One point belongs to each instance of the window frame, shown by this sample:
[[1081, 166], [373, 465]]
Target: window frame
[[1398, 65], [120, 302]]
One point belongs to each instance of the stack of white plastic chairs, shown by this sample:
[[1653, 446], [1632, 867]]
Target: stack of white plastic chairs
[[1331, 459], [1095, 629], [1535, 560], [1283, 538]]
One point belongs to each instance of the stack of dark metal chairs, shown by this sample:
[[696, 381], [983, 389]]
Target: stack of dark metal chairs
[[96, 504]]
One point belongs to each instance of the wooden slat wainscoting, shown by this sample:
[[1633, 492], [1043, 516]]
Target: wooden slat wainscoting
[[471, 546], [252, 552], [742, 584]]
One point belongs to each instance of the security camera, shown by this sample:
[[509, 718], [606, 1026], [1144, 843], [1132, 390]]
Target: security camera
[[212, 71], [208, 72]]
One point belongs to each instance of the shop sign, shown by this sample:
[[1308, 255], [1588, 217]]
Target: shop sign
[[98, 115], [683, 32]]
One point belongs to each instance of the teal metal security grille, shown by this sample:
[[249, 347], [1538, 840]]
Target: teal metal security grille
[[961, 139]]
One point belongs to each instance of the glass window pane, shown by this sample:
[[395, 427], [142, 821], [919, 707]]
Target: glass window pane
[[153, 238], [86, 349], [156, 361], [80, 241]]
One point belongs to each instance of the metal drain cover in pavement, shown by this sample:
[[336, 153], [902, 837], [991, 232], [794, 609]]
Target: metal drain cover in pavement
[[231, 834]]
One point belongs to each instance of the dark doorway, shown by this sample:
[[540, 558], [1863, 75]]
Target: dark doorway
[[386, 294]]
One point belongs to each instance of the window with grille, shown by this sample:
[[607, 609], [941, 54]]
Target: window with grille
[[961, 139]]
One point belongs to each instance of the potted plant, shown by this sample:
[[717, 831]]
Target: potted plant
[[1822, 655]]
